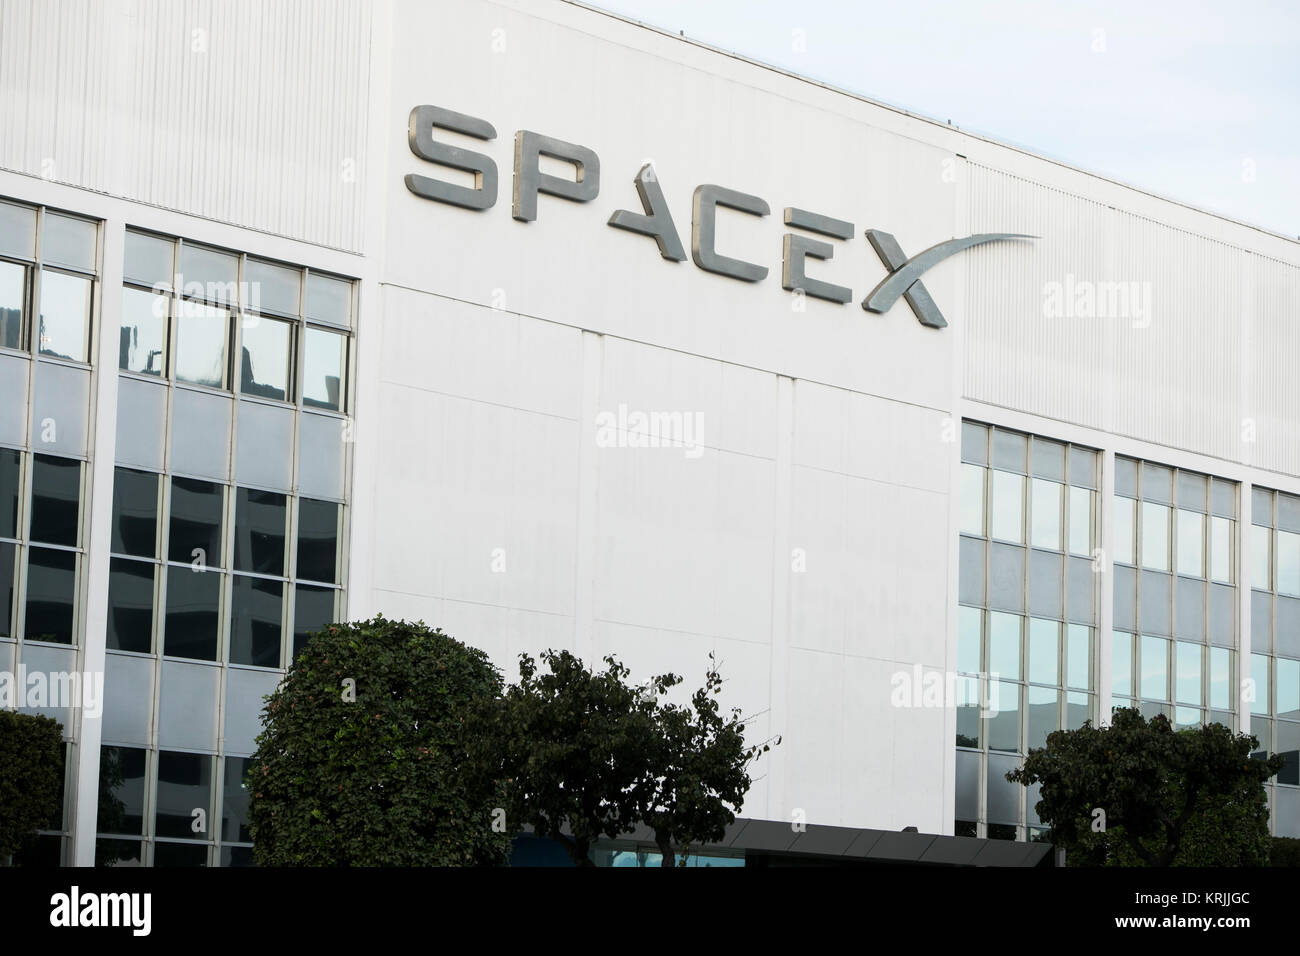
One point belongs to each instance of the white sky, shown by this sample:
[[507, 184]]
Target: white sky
[[1192, 100]]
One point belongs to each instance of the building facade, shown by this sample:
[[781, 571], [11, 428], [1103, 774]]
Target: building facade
[[555, 330]]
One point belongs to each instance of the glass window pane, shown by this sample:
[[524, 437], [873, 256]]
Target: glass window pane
[[130, 605], [143, 342], [255, 621], [1223, 498], [1048, 460], [1155, 536], [1078, 708], [969, 620], [64, 316], [1004, 716], [167, 854], [1123, 519], [193, 601], [260, 518], [967, 703], [1191, 532], [202, 334], [1080, 521], [234, 806], [330, 300], [1044, 715], [13, 304], [1221, 549], [1259, 676], [1044, 649], [972, 499], [1126, 477], [1079, 672], [1261, 507], [10, 476], [1008, 506], [1155, 668], [121, 790], [1157, 483], [135, 513], [271, 288], [148, 260], [1009, 451], [974, 443], [1220, 678], [208, 274], [1288, 689], [194, 532], [1121, 664], [1288, 512], [1083, 467], [1288, 563], [264, 357], [66, 241], [51, 591], [1261, 568], [1045, 527], [56, 491], [1004, 645], [17, 230], [1187, 673], [184, 785], [8, 563], [1191, 491], [322, 374], [318, 540], [313, 611]]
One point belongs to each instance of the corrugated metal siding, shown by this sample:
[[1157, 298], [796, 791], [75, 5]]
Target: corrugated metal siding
[[1199, 355], [251, 112]]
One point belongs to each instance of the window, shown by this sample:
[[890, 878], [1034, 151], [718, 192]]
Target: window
[[130, 605], [255, 627], [13, 304], [56, 492], [184, 786], [195, 531], [201, 338], [264, 357], [143, 344], [51, 595], [64, 316], [135, 513], [259, 531], [324, 357], [193, 611], [318, 540], [121, 790]]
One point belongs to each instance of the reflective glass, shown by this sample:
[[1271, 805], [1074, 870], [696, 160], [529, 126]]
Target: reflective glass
[[1288, 689], [51, 593], [1047, 459], [194, 533], [255, 621], [121, 790], [1079, 660], [13, 299], [1009, 450], [1123, 530], [208, 274], [318, 540], [1288, 563], [1126, 477], [130, 605], [1004, 645], [271, 287], [313, 611], [264, 357], [1259, 678], [968, 639], [168, 854], [148, 260], [1187, 673], [1078, 708], [1044, 648], [142, 346], [202, 334], [1221, 549], [234, 806], [135, 513], [1045, 514], [1157, 483], [1080, 521], [1044, 715], [322, 375], [1220, 678], [10, 476], [56, 492], [1008, 506], [66, 241], [1121, 664], [974, 443], [193, 603], [329, 299], [259, 531], [968, 711], [1004, 716], [1155, 536], [1155, 668], [8, 563], [184, 785], [64, 316], [1260, 558], [972, 499], [18, 230], [1191, 533]]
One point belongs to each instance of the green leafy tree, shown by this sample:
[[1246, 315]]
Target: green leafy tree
[[361, 756], [1193, 797], [31, 769], [586, 752]]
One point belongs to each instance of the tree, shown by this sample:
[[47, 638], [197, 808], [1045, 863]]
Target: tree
[[361, 756], [1193, 797], [31, 770], [583, 750]]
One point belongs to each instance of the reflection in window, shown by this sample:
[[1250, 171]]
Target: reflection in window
[[142, 346], [147, 259], [1045, 516], [1288, 689], [1260, 564], [256, 611], [184, 785], [234, 806], [264, 357], [259, 531], [1155, 536], [1121, 660], [68, 241], [195, 530], [130, 605], [135, 513], [51, 592], [8, 564], [166, 853], [121, 792], [1220, 678], [201, 336], [1187, 673], [313, 611], [64, 316], [10, 475], [271, 287], [193, 601], [1079, 656], [968, 639], [1004, 719], [1044, 649], [1259, 676], [1155, 668], [318, 540], [322, 375], [1008, 506], [1191, 534], [13, 297], [1004, 645], [328, 299], [56, 490], [1221, 550], [1080, 521], [1123, 530], [972, 499], [1288, 563]]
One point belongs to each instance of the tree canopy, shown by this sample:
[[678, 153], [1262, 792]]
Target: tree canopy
[[31, 770]]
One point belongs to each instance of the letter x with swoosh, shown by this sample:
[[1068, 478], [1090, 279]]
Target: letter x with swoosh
[[905, 274]]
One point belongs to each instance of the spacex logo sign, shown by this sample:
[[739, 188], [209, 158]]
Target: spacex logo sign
[[656, 222]]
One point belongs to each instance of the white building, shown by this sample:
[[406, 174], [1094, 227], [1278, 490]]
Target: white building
[[465, 395]]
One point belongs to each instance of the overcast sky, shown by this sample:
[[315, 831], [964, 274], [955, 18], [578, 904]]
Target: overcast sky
[[1196, 101]]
